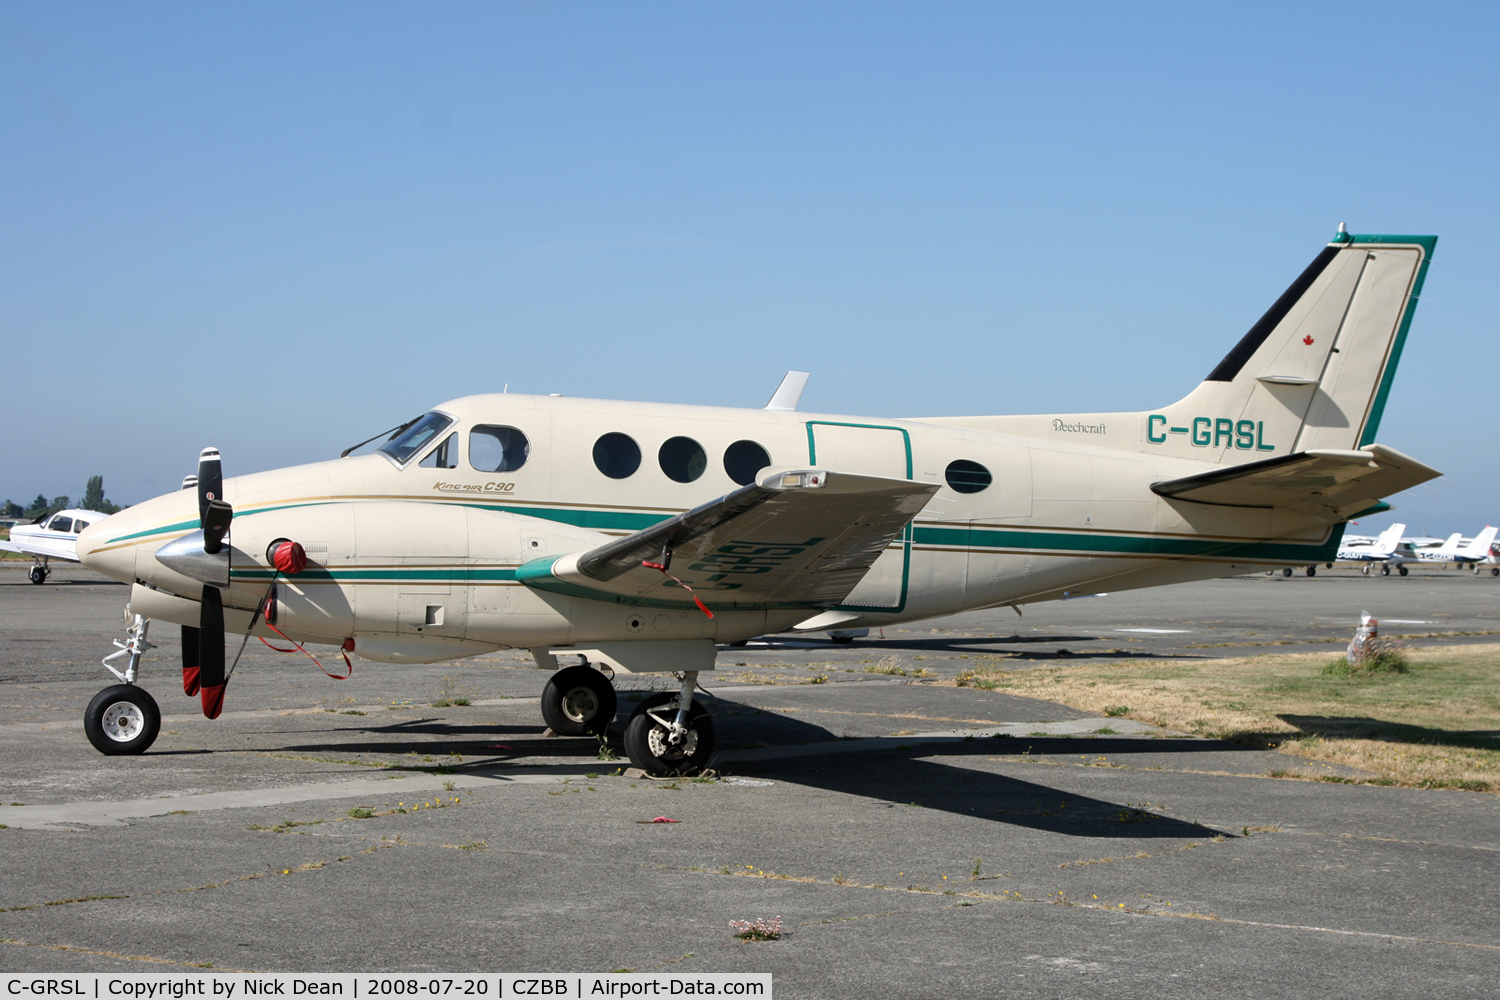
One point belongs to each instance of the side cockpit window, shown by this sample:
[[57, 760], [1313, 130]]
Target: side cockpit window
[[444, 456], [415, 436], [60, 523], [494, 448], [78, 526]]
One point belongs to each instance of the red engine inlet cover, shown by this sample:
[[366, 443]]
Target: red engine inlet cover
[[288, 557]]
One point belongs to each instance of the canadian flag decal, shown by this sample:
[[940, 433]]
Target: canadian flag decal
[[1308, 340]]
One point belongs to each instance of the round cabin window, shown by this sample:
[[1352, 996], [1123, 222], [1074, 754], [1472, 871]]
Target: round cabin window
[[965, 476], [493, 448], [617, 455], [682, 459], [743, 459]]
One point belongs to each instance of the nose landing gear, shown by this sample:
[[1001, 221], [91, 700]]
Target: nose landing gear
[[124, 719]]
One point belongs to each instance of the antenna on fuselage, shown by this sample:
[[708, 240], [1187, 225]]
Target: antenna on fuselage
[[789, 392]]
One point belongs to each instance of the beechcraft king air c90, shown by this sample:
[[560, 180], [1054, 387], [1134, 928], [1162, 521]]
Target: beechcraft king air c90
[[637, 536]]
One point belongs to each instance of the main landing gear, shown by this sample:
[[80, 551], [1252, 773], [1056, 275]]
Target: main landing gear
[[668, 735], [579, 701], [124, 719], [41, 570]]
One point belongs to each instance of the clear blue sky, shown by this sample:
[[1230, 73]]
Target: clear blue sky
[[279, 228]]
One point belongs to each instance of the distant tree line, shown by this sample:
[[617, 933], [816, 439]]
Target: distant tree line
[[41, 507]]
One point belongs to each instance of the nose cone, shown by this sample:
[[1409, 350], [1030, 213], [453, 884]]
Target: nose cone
[[103, 548]]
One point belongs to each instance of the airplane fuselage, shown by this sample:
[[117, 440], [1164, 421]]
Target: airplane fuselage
[[418, 560]]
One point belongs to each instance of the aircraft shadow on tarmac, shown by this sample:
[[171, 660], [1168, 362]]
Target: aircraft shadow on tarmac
[[904, 782], [1359, 728], [903, 777]]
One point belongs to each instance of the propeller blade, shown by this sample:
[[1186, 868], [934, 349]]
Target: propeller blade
[[211, 652], [215, 519], [210, 481], [190, 661]]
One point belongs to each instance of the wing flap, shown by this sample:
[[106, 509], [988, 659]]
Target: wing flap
[[1324, 483], [796, 538]]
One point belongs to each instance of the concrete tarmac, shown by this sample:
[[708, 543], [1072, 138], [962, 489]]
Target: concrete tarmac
[[917, 841]]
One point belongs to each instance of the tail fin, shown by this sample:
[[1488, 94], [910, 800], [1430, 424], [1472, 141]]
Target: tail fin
[[1450, 547], [1315, 371], [1479, 548], [1387, 540]]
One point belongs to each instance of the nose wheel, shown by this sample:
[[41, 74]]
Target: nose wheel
[[122, 720], [578, 701], [40, 572]]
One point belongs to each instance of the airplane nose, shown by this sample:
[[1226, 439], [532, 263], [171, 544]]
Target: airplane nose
[[100, 550]]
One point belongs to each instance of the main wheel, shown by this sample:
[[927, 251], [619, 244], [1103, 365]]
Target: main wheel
[[1312, 571], [648, 742], [1401, 570], [1385, 569], [1495, 571], [122, 720], [1287, 571], [1366, 571], [38, 575], [578, 701]]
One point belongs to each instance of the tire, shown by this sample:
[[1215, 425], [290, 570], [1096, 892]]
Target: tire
[[122, 720], [38, 575], [1287, 571], [1312, 571], [1495, 571], [1401, 570], [1328, 565], [579, 701], [645, 739], [1385, 570]]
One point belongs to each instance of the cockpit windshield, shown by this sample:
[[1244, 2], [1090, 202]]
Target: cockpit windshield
[[414, 437]]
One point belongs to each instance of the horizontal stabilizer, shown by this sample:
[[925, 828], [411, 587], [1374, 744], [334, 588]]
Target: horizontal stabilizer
[[796, 538], [1333, 485]]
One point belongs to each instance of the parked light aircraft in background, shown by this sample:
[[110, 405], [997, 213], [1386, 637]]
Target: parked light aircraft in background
[[1385, 550], [637, 536], [55, 537], [1456, 551]]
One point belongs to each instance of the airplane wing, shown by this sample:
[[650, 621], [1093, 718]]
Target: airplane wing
[[10, 547], [1330, 484], [796, 538]]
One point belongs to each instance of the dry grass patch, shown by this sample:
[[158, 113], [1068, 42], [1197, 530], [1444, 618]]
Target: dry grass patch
[[1437, 726]]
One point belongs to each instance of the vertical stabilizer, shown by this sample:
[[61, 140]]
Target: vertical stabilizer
[[1316, 369], [1387, 540], [1479, 548]]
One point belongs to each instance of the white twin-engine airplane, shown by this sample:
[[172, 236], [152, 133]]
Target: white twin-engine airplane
[[637, 536], [55, 537]]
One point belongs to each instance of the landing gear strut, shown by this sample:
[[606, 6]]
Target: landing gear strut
[[124, 719], [669, 734], [578, 701]]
